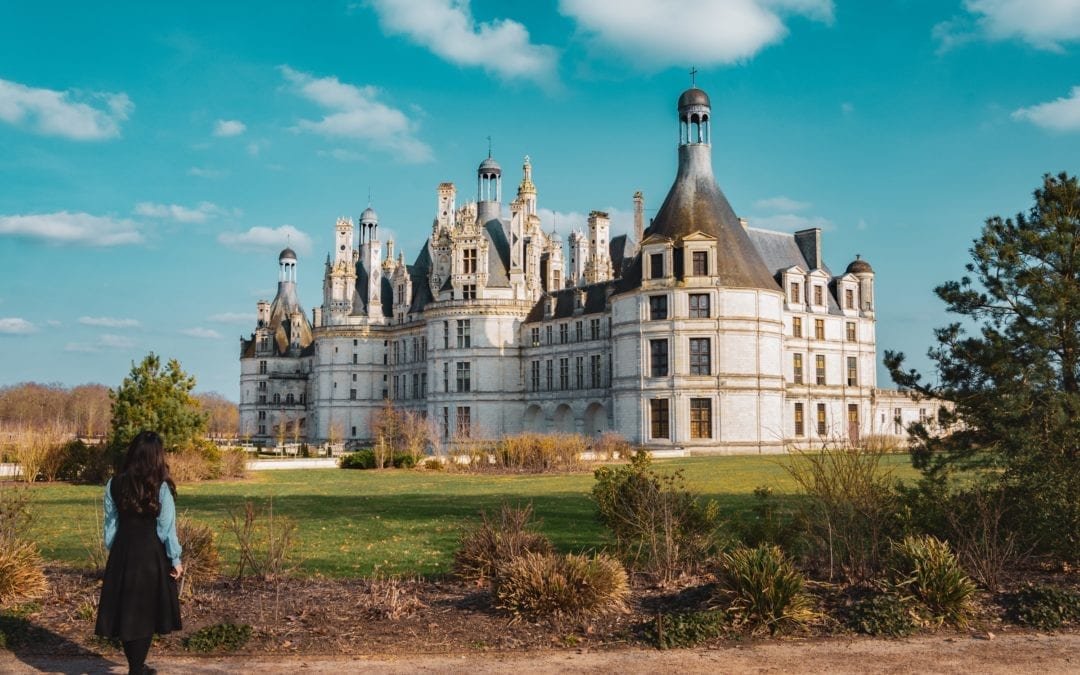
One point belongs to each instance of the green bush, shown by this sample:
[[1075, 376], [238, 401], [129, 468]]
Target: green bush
[[885, 614], [660, 527], [689, 629], [926, 568], [760, 589], [545, 585], [222, 637], [496, 541], [82, 463], [1043, 607], [361, 459]]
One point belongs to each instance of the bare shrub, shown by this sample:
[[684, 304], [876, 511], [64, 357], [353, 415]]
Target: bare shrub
[[497, 540], [851, 509], [881, 443], [546, 585], [189, 467], [609, 446], [540, 453], [266, 543], [985, 544], [202, 562], [390, 598], [233, 463], [660, 526], [15, 515], [37, 451], [399, 431]]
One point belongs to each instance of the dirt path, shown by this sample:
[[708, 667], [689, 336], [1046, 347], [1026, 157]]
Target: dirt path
[[1028, 653]]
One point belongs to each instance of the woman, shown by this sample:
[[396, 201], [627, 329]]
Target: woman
[[139, 596]]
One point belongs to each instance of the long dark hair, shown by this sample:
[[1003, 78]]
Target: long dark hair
[[142, 473]]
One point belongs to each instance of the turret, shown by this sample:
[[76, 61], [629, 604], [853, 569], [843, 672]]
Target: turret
[[488, 190], [579, 255], [598, 267]]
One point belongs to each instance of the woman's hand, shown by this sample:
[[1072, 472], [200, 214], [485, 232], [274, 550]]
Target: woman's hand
[[177, 571]]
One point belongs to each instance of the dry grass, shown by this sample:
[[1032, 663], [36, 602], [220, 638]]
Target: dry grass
[[21, 575], [390, 598], [546, 585], [497, 540], [202, 563], [761, 590]]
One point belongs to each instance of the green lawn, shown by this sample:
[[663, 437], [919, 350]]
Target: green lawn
[[400, 522]]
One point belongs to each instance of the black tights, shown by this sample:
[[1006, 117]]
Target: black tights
[[136, 651]]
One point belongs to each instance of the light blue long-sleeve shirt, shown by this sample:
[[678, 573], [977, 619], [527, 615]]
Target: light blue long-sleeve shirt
[[166, 522]]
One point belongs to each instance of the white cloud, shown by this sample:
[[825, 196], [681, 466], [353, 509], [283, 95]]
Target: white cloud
[[204, 333], [790, 222], [356, 113], [181, 214], [59, 113], [781, 203], [685, 32], [267, 239], [226, 128], [205, 172], [108, 322], [1044, 24], [72, 228], [340, 154], [81, 347], [13, 325], [256, 147], [232, 317], [116, 341], [847, 107], [446, 27], [1061, 114]]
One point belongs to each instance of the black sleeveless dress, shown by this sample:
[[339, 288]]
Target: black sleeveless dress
[[138, 597]]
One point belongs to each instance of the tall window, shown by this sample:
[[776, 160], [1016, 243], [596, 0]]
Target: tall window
[[579, 372], [416, 385], [464, 421], [700, 356], [464, 376], [534, 367], [851, 331], [819, 329], [262, 367], [701, 263], [564, 333], [594, 329], [658, 418], [423, 385], [658, 358], [821, 419], [464, 333], [849, 299], [852, 372], [556, 279], [535, 335], [446, 376], [564, 373], [550, 368], [700, 418], [796, 326], [699, 305], [656, 266], [800, 423], [446, 422], [796, 293], [898, 422], [657, 307], [595, 375], [797, 368], [819, 368], [579, 331], [547, 334], [446, 335], [468, 261], [819, 295], [352, 394], [468, 292]]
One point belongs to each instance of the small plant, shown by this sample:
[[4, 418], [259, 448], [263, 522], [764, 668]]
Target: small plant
[[202, 563], [221, 637], [660, 526], [234, 463], [1043, 607], [266, 544], [546, 585], [672, 631], [496, 541], [761, 590], [21, 574], [885, 614], [926, 568], [390, 598], [87, 611]]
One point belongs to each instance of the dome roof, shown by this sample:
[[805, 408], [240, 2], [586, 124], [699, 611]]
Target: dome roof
[[694, 96], [287, 254], [859, 266], [369, 214], [489, 165]]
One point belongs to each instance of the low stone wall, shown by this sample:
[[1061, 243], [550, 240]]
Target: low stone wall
[[10, 470], [276, 464]]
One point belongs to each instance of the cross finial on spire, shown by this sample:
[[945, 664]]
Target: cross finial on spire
[[489, 146], [369, 197], [693, 76]]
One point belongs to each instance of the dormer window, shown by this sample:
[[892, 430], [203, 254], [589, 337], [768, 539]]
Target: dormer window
[[468, 261], [701, 263], [819, 295], [849, 298], [468, 292], [656, 266], [796, 293]]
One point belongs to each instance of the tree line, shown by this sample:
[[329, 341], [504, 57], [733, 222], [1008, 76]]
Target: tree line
[[85, 410]]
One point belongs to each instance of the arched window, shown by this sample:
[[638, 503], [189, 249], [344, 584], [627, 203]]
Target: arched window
[[277, 398], [289, 399]]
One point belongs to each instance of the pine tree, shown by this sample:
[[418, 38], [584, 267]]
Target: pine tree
[[157, 398]]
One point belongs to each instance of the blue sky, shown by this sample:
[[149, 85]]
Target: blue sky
[[155, 157]]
